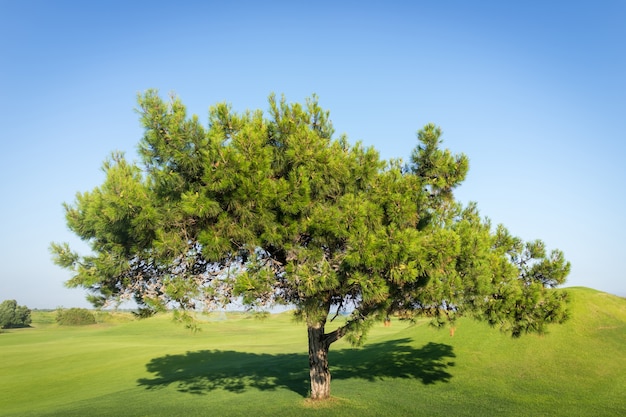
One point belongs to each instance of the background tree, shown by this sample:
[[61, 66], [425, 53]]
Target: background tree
[[272, 209], [12, 315]]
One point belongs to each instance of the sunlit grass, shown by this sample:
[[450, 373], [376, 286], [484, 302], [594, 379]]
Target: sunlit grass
[[245, 366]]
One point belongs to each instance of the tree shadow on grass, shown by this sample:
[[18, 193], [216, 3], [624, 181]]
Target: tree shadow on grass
[[203, 371]]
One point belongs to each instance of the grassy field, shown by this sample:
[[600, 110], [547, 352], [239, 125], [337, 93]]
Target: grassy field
[[239, 365]]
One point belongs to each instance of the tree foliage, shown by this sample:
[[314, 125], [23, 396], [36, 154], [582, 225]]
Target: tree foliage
[[271, 209], [74, 317], [13, 315]]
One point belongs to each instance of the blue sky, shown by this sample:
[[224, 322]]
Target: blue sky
[[533, 92]]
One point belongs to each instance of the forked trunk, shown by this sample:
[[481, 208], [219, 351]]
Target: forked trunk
[[318, 362]]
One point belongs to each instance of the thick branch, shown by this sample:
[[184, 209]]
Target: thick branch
[[333, 336]]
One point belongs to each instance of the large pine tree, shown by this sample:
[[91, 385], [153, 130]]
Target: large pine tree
[[269, 208]]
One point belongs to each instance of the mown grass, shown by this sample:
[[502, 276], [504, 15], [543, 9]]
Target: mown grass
[[244, 366]]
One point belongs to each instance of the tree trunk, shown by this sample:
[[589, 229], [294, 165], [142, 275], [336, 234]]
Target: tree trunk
[[318, 362]]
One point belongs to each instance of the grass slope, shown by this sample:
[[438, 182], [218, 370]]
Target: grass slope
[[243, 366]]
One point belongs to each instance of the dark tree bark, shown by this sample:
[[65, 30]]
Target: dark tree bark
[[319, 344], [318, 362]]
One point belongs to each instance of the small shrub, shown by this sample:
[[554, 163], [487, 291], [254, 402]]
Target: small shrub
[[75, 317]]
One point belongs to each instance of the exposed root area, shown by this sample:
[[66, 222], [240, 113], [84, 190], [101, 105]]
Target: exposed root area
[[322, 404]]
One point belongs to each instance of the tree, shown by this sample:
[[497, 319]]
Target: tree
[[271, 209], [12, 315]]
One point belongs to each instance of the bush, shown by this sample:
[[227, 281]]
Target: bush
[[12, 315], [75, 317]]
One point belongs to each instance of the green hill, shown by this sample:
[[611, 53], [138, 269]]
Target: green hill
[[239, 365]]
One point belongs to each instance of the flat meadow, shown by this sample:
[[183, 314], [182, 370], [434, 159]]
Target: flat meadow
[[239, 364]]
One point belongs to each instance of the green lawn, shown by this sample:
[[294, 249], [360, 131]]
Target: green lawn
[[244, 366]]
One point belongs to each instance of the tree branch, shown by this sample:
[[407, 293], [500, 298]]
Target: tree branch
[[337, 312], [333, 336]]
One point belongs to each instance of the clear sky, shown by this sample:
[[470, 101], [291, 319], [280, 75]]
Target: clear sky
[[534, 92]]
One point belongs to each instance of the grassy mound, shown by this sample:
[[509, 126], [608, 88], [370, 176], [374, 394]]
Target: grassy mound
[[238, 365]]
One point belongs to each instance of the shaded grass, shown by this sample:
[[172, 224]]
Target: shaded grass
[[201, 372], [243, 366]]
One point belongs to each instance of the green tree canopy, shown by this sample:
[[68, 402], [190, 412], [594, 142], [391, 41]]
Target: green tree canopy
[[13, 315], [272, 209]]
